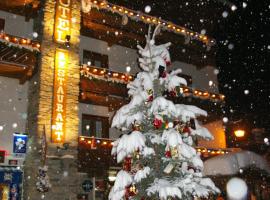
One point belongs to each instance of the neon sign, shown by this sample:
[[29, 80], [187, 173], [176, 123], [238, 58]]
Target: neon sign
[[59, 96], [62, 25]]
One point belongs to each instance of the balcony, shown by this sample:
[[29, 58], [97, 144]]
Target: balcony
[[101, 86], [94, 155], [18, 57]]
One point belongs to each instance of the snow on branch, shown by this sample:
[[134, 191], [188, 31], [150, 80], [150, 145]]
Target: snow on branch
[[141, 174], [123, 179], [162, 106], [164, 189], [188, 111], [172, 80], [128, 144], [172, 137], [202, 132], [124, 118]]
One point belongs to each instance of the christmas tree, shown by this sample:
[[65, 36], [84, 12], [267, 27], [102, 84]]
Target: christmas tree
[[156, 147]]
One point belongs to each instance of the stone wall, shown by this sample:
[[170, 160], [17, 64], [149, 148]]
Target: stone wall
[[61, 162]]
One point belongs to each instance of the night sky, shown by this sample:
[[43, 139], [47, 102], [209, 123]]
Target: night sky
[[240, 29], [243, 60]]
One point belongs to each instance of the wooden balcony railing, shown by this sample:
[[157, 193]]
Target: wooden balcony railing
[[94, 154], [104, 87], [18, 57]]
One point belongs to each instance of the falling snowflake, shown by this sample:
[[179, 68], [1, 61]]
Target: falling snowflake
[[225, 119], [35, 34], [14, 125], [128, 69], [147, 9], [225, 14], [230, 46], [233, 8]]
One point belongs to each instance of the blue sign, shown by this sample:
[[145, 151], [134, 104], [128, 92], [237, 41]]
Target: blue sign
[[19, 143], [13, 179], [87, 185]]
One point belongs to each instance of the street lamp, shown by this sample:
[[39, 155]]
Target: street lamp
[[239, 133]]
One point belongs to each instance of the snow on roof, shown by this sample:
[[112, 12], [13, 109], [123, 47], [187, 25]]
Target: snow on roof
[[231, 163]]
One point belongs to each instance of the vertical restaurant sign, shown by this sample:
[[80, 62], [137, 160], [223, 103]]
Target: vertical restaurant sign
[[59, 96], [62, 25]]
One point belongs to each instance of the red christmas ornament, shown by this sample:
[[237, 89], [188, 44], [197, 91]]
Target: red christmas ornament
[[127, 164], [172, 93], [168, 154], [157, 123], [150, 98], [168, 63], [186, 130], [164, 74]]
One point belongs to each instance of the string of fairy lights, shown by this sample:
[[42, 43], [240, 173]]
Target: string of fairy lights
[[19, 42], [139, 16], [97, 143], [123, 78]]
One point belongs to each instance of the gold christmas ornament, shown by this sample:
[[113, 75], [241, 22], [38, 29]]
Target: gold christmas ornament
[[174, 152], [149, 91], [133, 189]]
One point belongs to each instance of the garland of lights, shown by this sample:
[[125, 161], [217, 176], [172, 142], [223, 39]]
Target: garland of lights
[[139, 16], [117, 77], [105, 75], [19, 42], [95, 143]]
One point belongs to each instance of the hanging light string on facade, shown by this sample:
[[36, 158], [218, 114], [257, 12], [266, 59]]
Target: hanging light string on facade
[[19, 42], [147, 19], [97, 143], [123, 78]]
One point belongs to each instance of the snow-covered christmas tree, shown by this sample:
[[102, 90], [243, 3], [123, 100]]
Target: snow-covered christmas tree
[[156, 147]]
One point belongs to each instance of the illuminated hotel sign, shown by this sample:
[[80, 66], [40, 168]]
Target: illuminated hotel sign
[[62, 20], [59, 96]]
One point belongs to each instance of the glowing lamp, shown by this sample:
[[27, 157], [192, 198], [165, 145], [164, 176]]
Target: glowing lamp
[[239, 133]]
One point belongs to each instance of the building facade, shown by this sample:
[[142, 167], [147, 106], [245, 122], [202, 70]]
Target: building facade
[[63, 76]]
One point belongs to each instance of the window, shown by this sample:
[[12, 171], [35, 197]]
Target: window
[[2, 24], [95, 126], [95, 59]]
